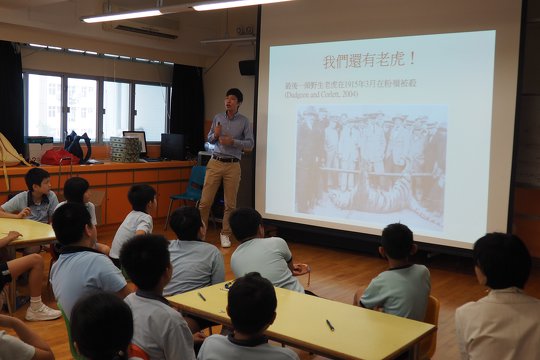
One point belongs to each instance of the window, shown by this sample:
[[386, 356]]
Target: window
[[116, 108], [43, 119], [82, 97], [59, 103], [150, 101]]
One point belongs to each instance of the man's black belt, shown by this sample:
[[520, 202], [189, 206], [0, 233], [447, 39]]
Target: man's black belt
[[225, 159]]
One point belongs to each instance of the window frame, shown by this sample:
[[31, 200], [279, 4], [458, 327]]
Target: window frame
[[99, 101]]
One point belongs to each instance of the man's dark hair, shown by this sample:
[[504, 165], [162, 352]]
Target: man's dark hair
[[397, 241], [244, 223], [237, 93], [140, 195], [69, 222], [74, 189], [102, 326], [35, 176], [186, 222], [145, 258], [251, 303], [504, 260]]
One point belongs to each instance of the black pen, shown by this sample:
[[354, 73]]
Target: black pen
[[330, 325], [201, 296]]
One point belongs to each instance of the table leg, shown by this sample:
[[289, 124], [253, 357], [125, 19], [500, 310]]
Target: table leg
[[12, 289]]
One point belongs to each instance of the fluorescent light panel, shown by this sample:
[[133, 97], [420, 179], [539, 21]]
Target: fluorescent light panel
[[121, 16], [232, 4], [172, 9]]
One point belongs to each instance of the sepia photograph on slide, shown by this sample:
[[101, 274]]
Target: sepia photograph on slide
[[379, 164]]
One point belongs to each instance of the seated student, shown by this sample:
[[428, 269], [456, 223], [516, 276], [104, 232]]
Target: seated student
[[77, 190], [270, 257], [138, 222], [504, 324], [38, 203], [160, 330], [80, 269], [196, 264], [404, 288], [102, 327], [27, 346], [251, 306], [37, 311]]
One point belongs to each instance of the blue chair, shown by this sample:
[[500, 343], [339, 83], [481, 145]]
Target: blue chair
[[193, 190]]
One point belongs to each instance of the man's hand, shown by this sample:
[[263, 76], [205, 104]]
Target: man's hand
[[226, 140], [217, 130], [24, 213]]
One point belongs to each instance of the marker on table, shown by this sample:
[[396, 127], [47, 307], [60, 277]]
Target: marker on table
[[330, 325], [201, 296]]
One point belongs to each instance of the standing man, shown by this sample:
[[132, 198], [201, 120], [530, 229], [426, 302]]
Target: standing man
[[231, 132]]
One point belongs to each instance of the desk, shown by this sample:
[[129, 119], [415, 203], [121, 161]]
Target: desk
[[301, 323], [33, 233]]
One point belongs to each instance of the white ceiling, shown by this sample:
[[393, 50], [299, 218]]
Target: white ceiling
[[63, 17]]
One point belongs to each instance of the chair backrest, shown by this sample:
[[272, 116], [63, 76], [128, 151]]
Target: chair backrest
[[196, 180], [428, 345], [72, 348]]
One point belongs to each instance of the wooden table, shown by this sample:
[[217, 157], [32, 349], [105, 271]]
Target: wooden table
[[33, 233], [301, 322]]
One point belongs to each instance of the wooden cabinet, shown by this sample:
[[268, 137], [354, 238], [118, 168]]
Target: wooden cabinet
[[111, 183]]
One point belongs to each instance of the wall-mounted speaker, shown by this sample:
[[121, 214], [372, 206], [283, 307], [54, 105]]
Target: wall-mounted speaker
[[247, 67]]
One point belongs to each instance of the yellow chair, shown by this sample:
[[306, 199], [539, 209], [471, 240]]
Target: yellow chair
[[427, 346], [72, 348]]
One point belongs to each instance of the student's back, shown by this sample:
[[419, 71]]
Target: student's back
[[503, 325], [142, 198], [404, 288], [196, 264]]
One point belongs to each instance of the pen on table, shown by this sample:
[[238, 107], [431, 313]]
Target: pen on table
[[201, 296], [330, 325]]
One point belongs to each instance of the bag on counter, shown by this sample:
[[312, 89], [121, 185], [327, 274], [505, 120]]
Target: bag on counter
[[72, 145], [59, 156]]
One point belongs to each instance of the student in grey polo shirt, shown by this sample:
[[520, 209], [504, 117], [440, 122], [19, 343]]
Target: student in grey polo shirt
[[270, 257], [80, 269], [159, 330], [251, 306], [196, 264]]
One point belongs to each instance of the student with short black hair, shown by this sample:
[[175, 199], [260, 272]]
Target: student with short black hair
[[38, 203], [160, 330], [270, 257], [503, 324], [251, 306], [77, 190], [404, 288], [142, 198], [196, 264], [80, 269], [102, 327]]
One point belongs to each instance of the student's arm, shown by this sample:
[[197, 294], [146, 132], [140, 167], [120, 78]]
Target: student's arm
[[12, 235], [125, 291], [140, 232], [20, 215], [43, 350]]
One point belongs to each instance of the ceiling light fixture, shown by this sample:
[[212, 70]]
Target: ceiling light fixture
[[173, 9]]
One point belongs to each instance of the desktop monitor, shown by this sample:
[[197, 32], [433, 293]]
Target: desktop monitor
[[141, 135], [172, 147]]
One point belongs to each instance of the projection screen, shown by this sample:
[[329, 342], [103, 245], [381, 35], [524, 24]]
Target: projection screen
[[379, 111]]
